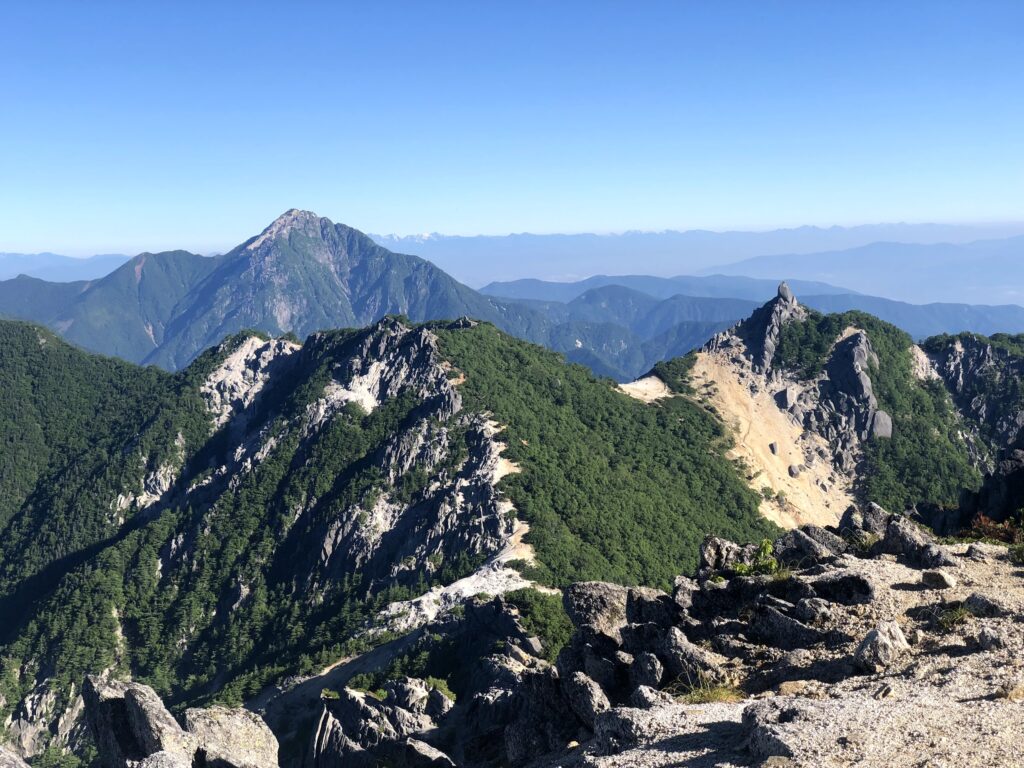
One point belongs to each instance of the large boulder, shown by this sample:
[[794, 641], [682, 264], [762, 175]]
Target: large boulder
[[131, 727], [153, 726], [881, 426], [232, 738], [597, 605], [844, 587], [683, 589], [646, 670], [823, 536], [722, 555], [770, 626], [904, 538], [690, 664], [585, 697], [544, 721], [881, 648], [798, 549], [644, 604], [872, 520], [129, 723]]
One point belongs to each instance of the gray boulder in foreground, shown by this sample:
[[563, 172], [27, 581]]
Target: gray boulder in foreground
[[881, 647], [132, 728], [232, 738]]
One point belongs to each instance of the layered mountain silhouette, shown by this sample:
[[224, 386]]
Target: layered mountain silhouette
[[304, 273], [989, 271], [301, 274]]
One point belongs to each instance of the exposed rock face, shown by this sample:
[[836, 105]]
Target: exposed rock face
[[10, 760], [600, 606], [802, 439], [984, 381], [824, 647], [358, 730], [232, 738], [461, 511], [759, 334], [1001, 496], [131, 728], [238, 380]]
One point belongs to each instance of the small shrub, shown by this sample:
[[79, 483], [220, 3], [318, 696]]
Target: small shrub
[[442, 685], [861, 542], [543, 615], [704, 691], [954, 617], [764, 564], [985, 529], [1016, 554]]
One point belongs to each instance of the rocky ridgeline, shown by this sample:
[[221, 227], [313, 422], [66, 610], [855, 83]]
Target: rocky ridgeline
[[839, 404], [868, 644]]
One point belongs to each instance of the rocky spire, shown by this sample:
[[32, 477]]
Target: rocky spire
[[760, 332]]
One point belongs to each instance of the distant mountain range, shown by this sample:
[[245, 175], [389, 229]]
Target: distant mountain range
[[711, 286], [983, 272], [56, 268], [919, 320], [480, 259], [304, 273]]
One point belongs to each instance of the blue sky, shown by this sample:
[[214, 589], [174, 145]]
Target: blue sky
[[131, 126]]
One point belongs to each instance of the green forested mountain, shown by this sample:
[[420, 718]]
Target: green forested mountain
[[986, 378], [304, 273], [125, 313], [215, 529], [926, 459]]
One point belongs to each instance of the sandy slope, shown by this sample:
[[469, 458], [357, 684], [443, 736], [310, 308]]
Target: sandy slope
[[817, 495]]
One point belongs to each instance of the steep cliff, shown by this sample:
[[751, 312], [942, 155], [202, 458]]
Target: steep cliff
[[827, 409]]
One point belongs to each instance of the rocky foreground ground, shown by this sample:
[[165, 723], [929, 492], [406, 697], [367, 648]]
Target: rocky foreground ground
[[869, 644]]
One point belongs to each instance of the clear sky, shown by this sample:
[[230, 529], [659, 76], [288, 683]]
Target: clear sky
[[128, 126]]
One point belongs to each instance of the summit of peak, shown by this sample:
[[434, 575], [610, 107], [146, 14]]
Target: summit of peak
[[290, 220], [293, 217], [785, 292]]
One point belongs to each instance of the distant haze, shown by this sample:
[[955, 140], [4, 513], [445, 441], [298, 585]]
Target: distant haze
[[982, 272], [482, 259]]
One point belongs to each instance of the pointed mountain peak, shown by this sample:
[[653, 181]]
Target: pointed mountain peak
[[289, 221], [293, 217], [760, 332]]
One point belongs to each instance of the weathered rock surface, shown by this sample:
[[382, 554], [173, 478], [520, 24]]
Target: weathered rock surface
[[232, 738], [10, 760], [807, 464], [881, 647], [805, 666], [981, 377], [131, 727]]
